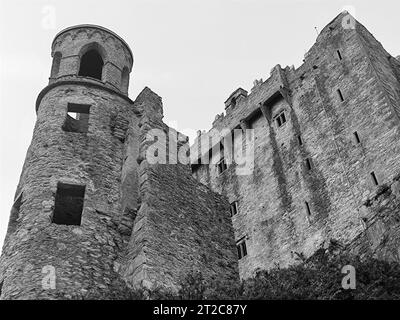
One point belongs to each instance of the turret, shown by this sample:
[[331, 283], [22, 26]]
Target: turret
[[94, 53]]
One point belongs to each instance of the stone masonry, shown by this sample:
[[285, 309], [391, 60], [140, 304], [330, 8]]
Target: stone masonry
[[94, 212], [89, 211], [338, 142]]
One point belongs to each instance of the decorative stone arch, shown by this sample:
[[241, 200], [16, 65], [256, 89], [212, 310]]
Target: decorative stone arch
[[55, 68], [125, 80], [92, 58]]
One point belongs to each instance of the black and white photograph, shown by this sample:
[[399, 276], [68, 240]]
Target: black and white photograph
[[194, 157]]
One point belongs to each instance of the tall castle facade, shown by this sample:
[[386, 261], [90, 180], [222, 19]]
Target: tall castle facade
[[325, 140], [93, 212]]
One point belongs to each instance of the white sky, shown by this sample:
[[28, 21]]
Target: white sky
[[192, 53]]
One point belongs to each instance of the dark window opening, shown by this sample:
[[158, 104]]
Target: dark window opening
[[280, 119], [222, 166], [234, 208], [308, 164], [55, 68], [241, 249], [374, 178], [91, 65], [77, 119], [300, 140], [356, 137], [1, 287], [69, 204], [340, 95], [307, 208], [339, 54], [195, 167]]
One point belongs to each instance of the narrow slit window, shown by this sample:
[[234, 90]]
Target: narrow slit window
[[340, 95], [339, 54], [241, 249], [1, 287], [356, 137], [308, 210], [234, 208], [222, 166], [300, 140], [68, 204], [77, 119], [308, 164], [374, 178]]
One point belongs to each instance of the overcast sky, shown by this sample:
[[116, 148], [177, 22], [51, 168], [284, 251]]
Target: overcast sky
[[192, 53]]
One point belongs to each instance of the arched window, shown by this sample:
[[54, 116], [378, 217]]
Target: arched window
[[91, 65], [125, 80], [56, 65]]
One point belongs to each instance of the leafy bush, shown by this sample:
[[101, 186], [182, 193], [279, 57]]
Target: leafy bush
[[319, 277]]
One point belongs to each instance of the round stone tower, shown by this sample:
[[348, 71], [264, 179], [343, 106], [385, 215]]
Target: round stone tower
[[63, 236]]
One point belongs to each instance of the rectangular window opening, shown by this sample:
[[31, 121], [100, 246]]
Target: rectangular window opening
[[374, 178], [77, 119], [340, 95], [356, 137], [68, 204], [234, 208], [307, 205], [339, 54], [241, 249], [280, 119], [1, 287]]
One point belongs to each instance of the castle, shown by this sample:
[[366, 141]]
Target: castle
[[95, 208]]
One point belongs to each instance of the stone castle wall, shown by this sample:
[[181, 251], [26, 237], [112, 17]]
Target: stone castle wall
[[273, 215], [381, 217], [181, 225], [140, 225], [150, 224], [82, 256]]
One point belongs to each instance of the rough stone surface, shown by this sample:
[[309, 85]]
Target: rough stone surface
[[381, 217], [128, 234], [149, 224], [272, 213], [181, 225]]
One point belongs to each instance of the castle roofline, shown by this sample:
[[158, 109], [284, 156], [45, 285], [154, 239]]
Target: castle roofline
[[94, 26]]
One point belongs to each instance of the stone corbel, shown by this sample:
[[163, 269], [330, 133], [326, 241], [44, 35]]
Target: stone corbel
[[244, 124], [285, 92], [264, 111]]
